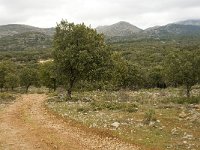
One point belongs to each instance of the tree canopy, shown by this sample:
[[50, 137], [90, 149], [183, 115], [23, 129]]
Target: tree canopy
[[79, 52]]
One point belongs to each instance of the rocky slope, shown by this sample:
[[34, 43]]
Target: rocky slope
[[119, 29]]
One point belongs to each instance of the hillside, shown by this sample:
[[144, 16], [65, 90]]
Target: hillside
[[12, 29], [119, 29], [167, 32], [124, 31], [190, 22], [22, 37], [172, 30], [25, 41]]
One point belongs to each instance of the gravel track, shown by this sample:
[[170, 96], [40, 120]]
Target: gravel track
[[26, 125]]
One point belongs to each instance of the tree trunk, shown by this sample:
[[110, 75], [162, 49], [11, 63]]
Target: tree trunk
[[188, 91], [54, 85], [27, 88], [69, 91]]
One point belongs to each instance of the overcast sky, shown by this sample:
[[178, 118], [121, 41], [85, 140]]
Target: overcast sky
[[142, 13]]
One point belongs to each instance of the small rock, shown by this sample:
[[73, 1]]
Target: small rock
[[182, 114], [196, 107], [115, 124], [174, 131], [184, 142], [152, 124], [158, 121], [188, 136], [55, 147]]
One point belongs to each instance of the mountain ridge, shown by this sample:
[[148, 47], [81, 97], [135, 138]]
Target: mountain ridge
[[21, 37], [195, 22], [121, 28], [12, 29]]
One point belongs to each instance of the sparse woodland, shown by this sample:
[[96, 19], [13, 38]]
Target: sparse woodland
[[82, 59]]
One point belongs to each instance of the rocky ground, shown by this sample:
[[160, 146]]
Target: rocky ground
[[157, 119]]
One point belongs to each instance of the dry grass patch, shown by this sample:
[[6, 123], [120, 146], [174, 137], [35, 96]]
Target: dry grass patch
[[154, 119]]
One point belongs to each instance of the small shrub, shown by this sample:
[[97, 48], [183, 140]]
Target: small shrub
[[6, 98], [149, 116], [131, 108], [185, 100], [123, 96], [83, 109]]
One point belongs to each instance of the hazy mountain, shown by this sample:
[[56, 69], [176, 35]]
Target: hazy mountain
[[124, 31], [119, 29], [12, 29], [189, 22], [171, 30]]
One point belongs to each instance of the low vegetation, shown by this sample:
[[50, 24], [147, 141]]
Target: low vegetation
[[6, 98], [153, 119]]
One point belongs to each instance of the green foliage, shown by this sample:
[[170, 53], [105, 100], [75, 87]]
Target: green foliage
[[12, 81], [2, 76], [80, 53], [8, 75], [6, 98], [149, 116], [83, 109], [124, 73], [185, 100], [47, 74], [183, 68], [28, 77], [156, 77], [84, 62]]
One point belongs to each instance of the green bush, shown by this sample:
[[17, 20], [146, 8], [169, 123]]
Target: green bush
[[83, 109], [149, 116], [6, 98], [185, 100]]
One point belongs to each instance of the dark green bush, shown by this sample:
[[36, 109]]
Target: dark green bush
[[6, 98], [83, 109], [149, 116], [185, 100]]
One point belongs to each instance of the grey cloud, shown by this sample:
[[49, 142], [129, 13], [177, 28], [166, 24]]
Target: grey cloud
[[143, 13]]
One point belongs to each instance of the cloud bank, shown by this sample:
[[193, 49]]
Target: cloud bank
[[142, 13]]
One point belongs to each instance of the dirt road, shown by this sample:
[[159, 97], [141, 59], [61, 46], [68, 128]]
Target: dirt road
[[26, 125]]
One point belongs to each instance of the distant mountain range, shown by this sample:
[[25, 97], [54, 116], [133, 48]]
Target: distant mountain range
[[125, 29], [22, 37]]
